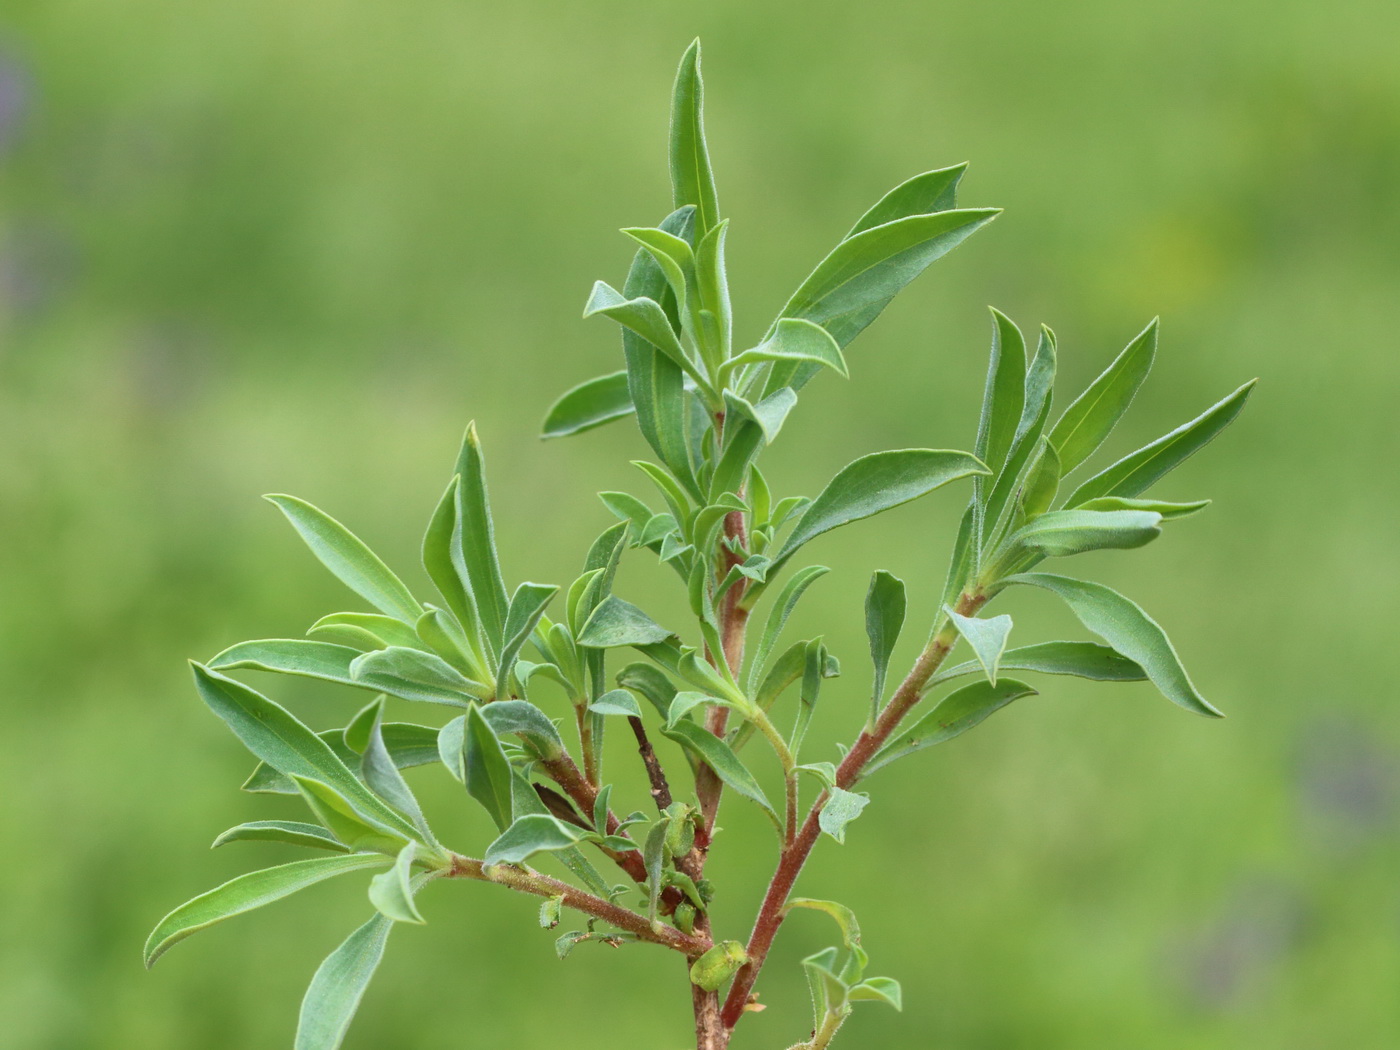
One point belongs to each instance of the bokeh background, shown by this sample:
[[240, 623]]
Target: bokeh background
[[263, 246]]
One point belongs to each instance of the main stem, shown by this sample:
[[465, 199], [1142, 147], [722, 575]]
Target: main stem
[[793, 857]]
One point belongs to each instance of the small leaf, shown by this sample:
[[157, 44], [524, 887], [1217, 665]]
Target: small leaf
[[391, 891], [843, 916], [588, 405], [526, 721], [955, 714], [715, 753], [840, 809], [408, 744], [271, 733], [441, 555], [1134, 634], [354, 564], [616, 702], [381, 773], [1135, 474], [294, 656], [875, 483], [334, 811], [616, 622], [1004, 395], [476, 540], [692, 180], [527, 605], [1098, 663], [879, 989], [415, 675], [386, 630], [651, 683], [486, 770], [797, 341], [643, 316], [768, 415], [987, 638], [884, 618], [1168, 511], [294, 832], [1092, 416], [930, 192], [531, 834], [247, 892], [1042, 481], [339, 985], [1061, 533]]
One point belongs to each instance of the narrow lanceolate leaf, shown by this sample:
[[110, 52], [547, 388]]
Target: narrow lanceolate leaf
[[1042, 482], [788, 598], [440, 544], [1093, 415], [1169, 511], [478, 538], [531, 834], [527, 605], [415, 675], [768, 415], [343, 821], [293, 832], [616, 622], [884, 618], [408, 744], [932, 191], [1123, 625], [271, 733], [692, 179], [1039, 389], [486, 768], [589, 405], [840, 914], [955, 714], [1061, 533], [840, 809], [852, 285], [1098, 663], [295, 656], [1005, 394], [247, 892], [385, 630], [1135, 474], [353, 563], [718, 755], [987, 638], [391, 892], [795, 340], [339, 985], [876, 483], [657, 383], [641, 315], [381, 773]]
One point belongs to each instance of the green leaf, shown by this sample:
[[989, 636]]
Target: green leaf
[[383, 630], [247, 892], [616, 702], [715, 753], [526, 721], [673, 254], [692, 180], [294, 656], [955, 714], [339, 985], [478, 540], [1042, 482], [408, 744], [930, 192], [271, 733], [878, 989], [842, 915], [442, 548], [415, 675], [340, 818], [651, 682], [641, 315], [291, 831], [1005, 395], [1135, 474], [654, 861], [875, 483], [1061, 533], [768, 415], [884, 618], [1168, 511], [531, 834], [852, 285], [616, 622], [391, 892], [987, 638], [840, 809], [1134, 634], [1092, 416], [354, 564], [962, 566], [381, 773], [526, 607], [1098, 663], [1039, 387], [794, 340], [588, 405], [487, 771]]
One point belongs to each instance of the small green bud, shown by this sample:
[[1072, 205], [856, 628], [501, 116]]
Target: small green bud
[[684, 917], [549, 912], [717, 965]]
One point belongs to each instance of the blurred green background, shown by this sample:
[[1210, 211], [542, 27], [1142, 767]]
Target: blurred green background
[[265, 247]]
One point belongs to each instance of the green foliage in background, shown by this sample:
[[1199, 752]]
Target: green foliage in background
[[709, 412], [266, 248]]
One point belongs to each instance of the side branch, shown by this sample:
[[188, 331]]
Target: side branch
[[527, 881]]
